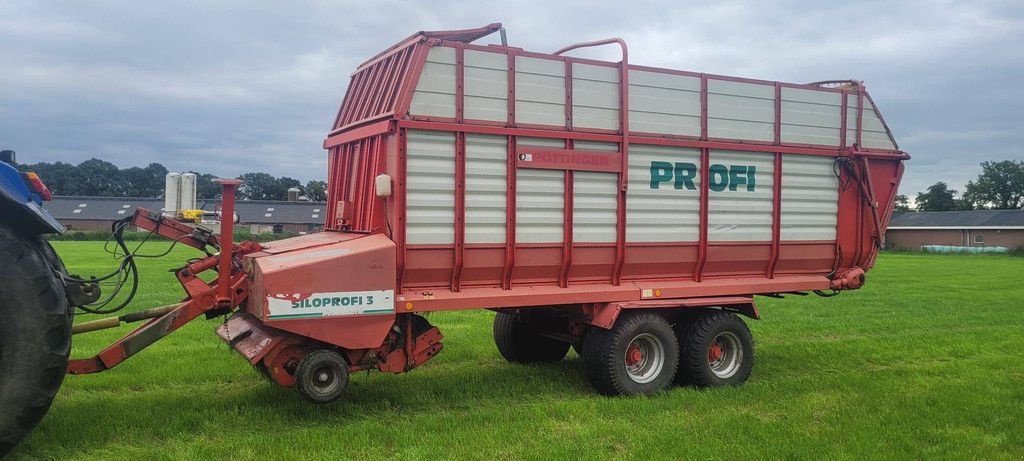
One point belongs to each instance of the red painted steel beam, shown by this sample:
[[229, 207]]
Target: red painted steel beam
[[568, 200], [362, 132], [400, 204], [773, 259], [702, 243], [459, 244], [460, 211], [536, 296], [155, 222], [568, 179], [227, 227], [510, 213]]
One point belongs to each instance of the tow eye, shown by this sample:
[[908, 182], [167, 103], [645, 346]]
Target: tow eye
[[82, 292]]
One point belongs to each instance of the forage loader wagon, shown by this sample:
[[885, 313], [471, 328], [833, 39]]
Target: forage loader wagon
[[627, 211]]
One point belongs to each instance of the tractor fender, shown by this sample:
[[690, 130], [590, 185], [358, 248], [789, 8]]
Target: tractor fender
[[22, 207]]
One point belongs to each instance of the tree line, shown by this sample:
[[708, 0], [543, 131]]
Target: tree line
[[99, 178], [1000, 186]]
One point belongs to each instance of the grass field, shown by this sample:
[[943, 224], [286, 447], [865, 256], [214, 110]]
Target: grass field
[[924, 362]]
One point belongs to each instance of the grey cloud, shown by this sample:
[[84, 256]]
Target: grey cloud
[[229, 87]]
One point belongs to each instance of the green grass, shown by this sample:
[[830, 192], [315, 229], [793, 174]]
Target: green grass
[[924, 362]]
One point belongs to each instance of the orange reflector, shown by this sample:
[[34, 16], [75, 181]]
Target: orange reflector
[[657, 293], [408, 306], [37, 185]]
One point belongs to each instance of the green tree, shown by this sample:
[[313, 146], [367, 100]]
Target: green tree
[[902, 204], [938, 197], [999, 186], [145, 182], [316, 191], [284, 183], [260, 186], [95, 177], [205, 187]]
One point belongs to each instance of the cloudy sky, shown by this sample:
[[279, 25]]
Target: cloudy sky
[[236, 86]]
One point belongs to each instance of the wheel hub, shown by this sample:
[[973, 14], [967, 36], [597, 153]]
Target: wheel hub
[[715, 353], [324, 378], [634, 355], [644, 358], [725, 355]]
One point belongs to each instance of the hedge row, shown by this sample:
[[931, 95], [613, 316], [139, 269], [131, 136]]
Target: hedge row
[[137, 236]]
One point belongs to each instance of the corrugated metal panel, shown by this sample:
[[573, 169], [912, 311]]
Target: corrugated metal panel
[[485, 86], [595, 96], [552, 143], [430, 186], [597, 146], [811, 117], [851, 119], [595, 200], [486, 188], [874, 135], [735, 212], [435, 91], [656, 211], [540, 198], [540, 205], [664, 103], [810, 198], [741, 111], [540, 91]]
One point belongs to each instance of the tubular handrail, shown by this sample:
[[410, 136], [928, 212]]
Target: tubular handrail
[[620, 226]]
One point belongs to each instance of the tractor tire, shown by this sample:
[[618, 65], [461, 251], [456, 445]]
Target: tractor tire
[[35, 334], [322, 376], [638, 355], [717, 350], [519, 342]]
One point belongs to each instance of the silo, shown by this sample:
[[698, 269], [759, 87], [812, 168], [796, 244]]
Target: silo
[[293, 194], [188, 192], [172, 194]]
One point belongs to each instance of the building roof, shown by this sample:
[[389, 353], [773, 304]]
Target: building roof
[[987, 219], [249, 211]]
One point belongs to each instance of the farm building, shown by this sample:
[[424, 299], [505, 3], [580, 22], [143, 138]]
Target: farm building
[[258, 216], [978, 228]]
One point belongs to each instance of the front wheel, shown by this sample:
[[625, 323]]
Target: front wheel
[[717, 350], [638, 355], [35, 334], [322, 376]]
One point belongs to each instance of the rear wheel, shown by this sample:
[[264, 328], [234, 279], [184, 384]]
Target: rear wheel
[[638, 355], [35, 334], [717, 350], [322, 376], [519, 340]]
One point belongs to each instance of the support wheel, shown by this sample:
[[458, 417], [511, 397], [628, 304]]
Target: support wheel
[[717, 350], [322, 376], [519, 341], [639, 355]]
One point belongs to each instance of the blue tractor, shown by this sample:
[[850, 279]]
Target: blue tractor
[[35, 307]]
